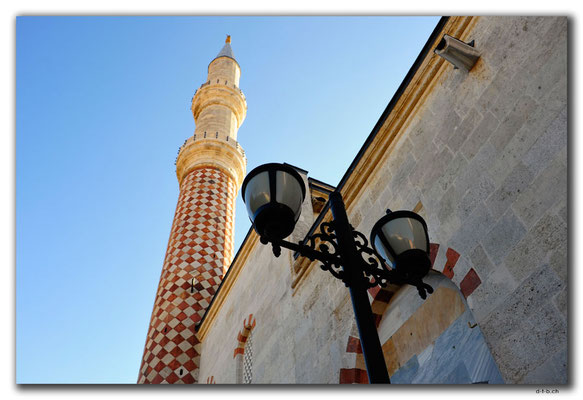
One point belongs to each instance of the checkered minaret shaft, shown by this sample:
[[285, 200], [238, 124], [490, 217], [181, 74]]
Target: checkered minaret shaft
[[210, 167], [200, 247]]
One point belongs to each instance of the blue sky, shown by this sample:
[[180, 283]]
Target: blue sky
[[102, 106]]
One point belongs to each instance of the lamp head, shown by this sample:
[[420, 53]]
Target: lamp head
[[273, 194], [401, 239]]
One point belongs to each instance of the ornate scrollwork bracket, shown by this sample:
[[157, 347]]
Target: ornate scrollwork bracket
[[323, 246]]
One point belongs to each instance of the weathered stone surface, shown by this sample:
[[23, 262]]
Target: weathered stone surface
[[516, 353], [474, 196], [512, 122], [543, 151], [491, 293], [515, 183], [532, 294], [548, 188], [481, 162], [561, 301], [458, 376], [543, 336], [407, 372], [553, 371], [547, 237], [455, 168], [480, 135], [472, 230], [503, 236], [465, 130], [481, 262], [549, 329]]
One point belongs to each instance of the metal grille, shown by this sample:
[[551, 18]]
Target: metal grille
[[248, 360]]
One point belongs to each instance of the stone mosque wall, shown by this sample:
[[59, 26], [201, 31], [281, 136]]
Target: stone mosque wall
[[482, 156]]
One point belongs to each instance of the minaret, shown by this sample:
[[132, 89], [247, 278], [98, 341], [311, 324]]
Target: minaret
[[210, 168]]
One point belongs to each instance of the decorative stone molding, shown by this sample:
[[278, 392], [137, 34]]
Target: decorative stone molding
[[213, 151]]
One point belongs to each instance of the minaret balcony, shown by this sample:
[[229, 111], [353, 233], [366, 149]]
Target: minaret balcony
[[211, 149]]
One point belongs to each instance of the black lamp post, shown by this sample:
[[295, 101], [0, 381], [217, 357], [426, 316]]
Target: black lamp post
[[273, 194]]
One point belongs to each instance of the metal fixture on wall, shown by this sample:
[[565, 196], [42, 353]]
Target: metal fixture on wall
[[462, 55], [273, 194]]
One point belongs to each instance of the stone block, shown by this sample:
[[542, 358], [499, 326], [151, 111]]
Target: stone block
[[504, 162], [558, 259], [553, 371], [544, 150], [436, 168], [561, 301], [407, 372], [490, 93], [512, 92], [448, 126], [446, 179], [401, 151], [563, 211], [472, 230], [475, 169], [480, 365], [458, 376], [424, 162], [547, 237], [516, 354], [516, 182], [476, 193], [508, 318], [480, 135], [464, 130], [491, 293], [549, 329], [512, 121], [503, 236], [425, 355], [548, 188], [400, 178], [469, 283], [422, 133], [462, 267], [550, 73], [448, 205], [480, 262]]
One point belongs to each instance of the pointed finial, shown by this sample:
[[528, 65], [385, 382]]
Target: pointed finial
[[228, 40]]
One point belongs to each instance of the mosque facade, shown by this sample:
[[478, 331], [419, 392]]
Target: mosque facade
[[474, 141]]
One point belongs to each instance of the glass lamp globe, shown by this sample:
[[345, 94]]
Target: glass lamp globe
[[401, 239], [273, 194]]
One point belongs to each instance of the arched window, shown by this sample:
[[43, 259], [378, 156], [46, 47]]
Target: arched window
[[243, 353]]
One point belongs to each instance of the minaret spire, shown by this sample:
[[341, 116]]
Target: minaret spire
[[210, 168], [226, 51]]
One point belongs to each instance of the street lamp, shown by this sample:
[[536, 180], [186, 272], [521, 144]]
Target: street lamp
[[273, 194]]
